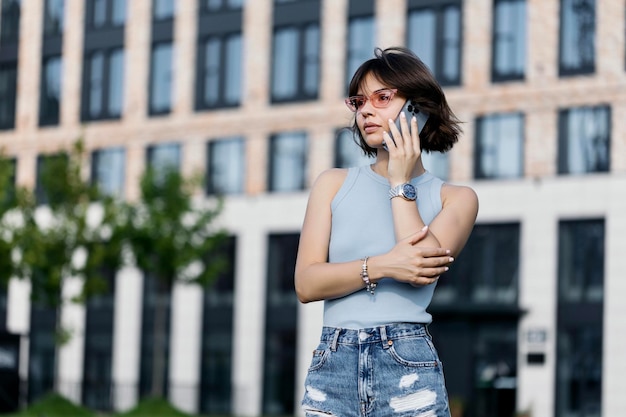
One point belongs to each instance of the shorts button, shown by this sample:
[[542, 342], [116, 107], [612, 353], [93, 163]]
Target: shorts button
[[390, 342]]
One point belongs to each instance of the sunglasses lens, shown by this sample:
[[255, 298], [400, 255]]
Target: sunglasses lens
[[382, 98], [355, 102]]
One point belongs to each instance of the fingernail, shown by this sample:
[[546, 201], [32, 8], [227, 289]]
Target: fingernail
[[447, 251], [451, 259], [447, 268], [403, 115], [426, 228]]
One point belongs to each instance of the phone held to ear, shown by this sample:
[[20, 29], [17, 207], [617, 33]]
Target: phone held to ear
[[410, 109]]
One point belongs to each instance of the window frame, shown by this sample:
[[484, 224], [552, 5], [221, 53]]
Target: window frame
[[497, 119], [582, 68], [497, 76], [438, 67]]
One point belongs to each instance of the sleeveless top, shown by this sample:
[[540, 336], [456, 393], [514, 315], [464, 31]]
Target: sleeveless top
[[362, 225]]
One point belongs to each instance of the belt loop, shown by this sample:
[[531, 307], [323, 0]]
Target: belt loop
[[333, 344], [383, 337]]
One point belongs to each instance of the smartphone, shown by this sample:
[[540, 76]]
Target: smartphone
[[410, 109]]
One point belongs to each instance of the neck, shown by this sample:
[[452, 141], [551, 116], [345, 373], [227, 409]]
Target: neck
[[382, 160]]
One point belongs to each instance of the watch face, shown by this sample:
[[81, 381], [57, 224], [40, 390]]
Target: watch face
[[409, 191]]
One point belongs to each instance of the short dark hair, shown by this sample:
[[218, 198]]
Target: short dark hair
[[400, 68]]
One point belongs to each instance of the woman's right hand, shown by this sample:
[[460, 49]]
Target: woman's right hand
[[412, 264]]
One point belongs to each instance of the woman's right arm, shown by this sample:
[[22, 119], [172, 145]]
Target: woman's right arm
[[317, 279]]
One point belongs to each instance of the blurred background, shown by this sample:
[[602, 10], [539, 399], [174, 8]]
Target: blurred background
[[529, 320]]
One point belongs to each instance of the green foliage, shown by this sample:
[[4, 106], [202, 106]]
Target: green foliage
[[154, 407], [54, 405], [170, 236]]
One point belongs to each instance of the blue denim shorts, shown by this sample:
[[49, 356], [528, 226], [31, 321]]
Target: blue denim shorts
[[390, 370]]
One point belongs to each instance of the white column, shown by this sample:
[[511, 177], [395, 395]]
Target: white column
[[185, 347], [127, 337]]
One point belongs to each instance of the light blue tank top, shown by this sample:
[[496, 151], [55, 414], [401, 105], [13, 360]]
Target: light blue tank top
[[362, 225]]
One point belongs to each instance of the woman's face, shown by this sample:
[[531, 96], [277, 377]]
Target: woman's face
[[373, 121]]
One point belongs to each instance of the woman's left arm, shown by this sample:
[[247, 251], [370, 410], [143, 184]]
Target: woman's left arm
[[454, 223]]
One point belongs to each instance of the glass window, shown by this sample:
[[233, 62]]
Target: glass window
[[50, 95], [584, 140], [295, 66], [104, 80], [220, 71], [577, 41], [509, 40], [288, 162], [226, 166], [47, 164], [499, 146], [102, 13], [8, 94], [487, 270], [216, 5], [42, 350], [10, 22], [161, 78], [98, 348], [279, 376], [53, 18], [165, 157], [217, 338], [581, 266], [361, 36], [579, 361], [434, 34], [163, 9], [157, 302], [348, 153], [108, 171], [8, 169]]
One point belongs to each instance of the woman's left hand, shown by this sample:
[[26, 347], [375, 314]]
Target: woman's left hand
[[404, 149]]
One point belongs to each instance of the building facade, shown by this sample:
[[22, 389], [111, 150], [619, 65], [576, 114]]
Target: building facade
[[251, 93]]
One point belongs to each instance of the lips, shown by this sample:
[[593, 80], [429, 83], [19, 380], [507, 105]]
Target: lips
[[370, 127]]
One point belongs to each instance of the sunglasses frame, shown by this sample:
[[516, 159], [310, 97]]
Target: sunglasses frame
[[349, 101]]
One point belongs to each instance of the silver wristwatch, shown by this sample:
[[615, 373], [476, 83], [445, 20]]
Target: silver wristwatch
[[406, 191]]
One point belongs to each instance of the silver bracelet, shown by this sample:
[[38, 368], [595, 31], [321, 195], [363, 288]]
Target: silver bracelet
[[369, 285]]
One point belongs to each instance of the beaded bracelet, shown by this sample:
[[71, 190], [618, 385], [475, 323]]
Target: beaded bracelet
[[369, 285]]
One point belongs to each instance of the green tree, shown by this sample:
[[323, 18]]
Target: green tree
[[172, 239]]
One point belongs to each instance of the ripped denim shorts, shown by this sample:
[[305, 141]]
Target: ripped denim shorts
[[385, 371]]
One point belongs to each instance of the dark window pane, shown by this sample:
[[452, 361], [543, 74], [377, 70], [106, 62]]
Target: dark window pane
[[108, 169], [53, 17], [50, 95], [579, 371], [104, 80], [226, 166], [220, 71], [164, 158], [584, 140], [216, 5], [577, 43], [486, 271], [98, 350], [285, 65], [163, 9], [581, 265], [8, 82], [281, 327], [161, 78], [361, 36], [217, 338], [10, 19], [509, 44], [434, 33], [116, 82], [288, 162], [500, 146]]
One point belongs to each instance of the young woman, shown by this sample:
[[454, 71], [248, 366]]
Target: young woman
[[374, 242]]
